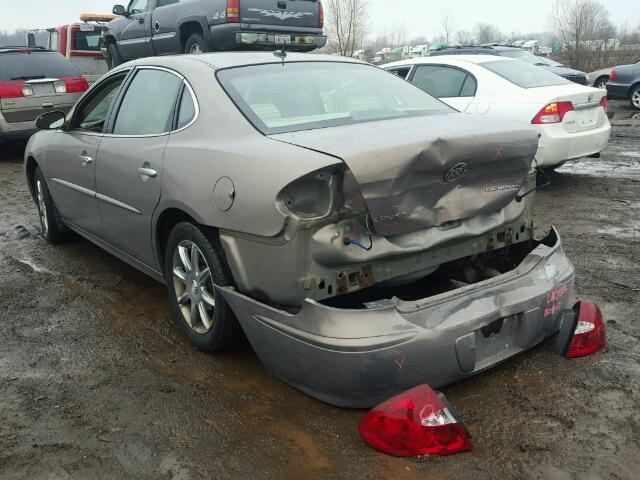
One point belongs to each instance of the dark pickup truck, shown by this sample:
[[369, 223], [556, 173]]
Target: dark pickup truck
[[162, 27]]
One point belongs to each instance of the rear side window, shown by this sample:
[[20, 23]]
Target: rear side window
[[87, 41], [401, 72], [524, 74], [445, 82], [187, 109], [31, 66], [148, 105]]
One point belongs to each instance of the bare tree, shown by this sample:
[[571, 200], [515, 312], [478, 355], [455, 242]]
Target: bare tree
[[580, 23], [487, 33], [347, 23], [465, 37], [447, 25]]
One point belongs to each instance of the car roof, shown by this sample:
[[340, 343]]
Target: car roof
[[477, 59], [220, 60], [23, 49], [477, 48]]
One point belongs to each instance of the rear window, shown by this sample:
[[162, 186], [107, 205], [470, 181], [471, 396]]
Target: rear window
[[87, 41], [524, 74], [31, 66], [307, 95]]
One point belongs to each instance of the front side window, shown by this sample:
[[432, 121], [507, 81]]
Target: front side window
[[524, 74], [138, 6], [92, 113], [401, 72], [307, 95], [444, 82], [148, 105]]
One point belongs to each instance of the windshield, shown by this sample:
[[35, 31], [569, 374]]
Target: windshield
[[28, 66], [550, 62], [307, 95], [524, 56], [524, 75]]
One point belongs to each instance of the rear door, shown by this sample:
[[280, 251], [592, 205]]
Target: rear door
[[135, 39], [130, 159], [33, 83], [289, 13], [454, 86], [164, 22]]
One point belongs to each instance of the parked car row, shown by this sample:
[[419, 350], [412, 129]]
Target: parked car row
[[570, 119], [364, 235]]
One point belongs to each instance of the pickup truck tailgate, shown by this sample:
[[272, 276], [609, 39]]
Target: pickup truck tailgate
[[294, 13]]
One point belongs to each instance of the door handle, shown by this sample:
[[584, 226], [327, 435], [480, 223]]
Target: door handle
[[147, 172], [141, 20], [85, 159]]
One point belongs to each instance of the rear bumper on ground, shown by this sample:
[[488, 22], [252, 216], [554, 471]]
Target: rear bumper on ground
[[248, 36], [358, 358], [616, 91], [556, 146]]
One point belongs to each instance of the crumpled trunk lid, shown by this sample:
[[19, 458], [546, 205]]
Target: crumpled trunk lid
[[416, 173]]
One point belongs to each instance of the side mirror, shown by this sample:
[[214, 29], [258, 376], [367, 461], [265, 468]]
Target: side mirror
[[51, 120], [120, 10]]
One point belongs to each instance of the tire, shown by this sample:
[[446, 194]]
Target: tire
[[189, 292], [53, 230], [634, 98], [114, 59], [196, 44], [601, 82]]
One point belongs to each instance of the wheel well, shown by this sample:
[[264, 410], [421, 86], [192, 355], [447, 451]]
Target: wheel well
[[633, 87], [31, 171], [169, 219], [187, 29], [600, 78]]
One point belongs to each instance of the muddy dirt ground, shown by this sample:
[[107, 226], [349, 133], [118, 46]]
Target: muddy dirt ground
[[96, 381]]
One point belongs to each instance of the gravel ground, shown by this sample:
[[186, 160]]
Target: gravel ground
[[96, 381]]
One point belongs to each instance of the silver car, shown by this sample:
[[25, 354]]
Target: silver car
[[33, 81], [364, 236]]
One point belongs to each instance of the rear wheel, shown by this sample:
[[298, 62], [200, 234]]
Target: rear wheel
[[193, 265], [114, 59], [601, 82], [195, 44], [53, 230], [634, 98]]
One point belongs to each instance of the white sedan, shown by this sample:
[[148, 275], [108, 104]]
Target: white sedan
[[571, 119]]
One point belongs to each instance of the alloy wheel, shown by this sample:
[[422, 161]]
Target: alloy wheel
[[42, 208], [196, 49], [193, 286], [635, 98]]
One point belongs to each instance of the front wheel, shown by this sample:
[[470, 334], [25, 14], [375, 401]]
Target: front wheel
[[53, 230], [601, 83], [193, 265], [196, 44], [634, 98], [114, 59]]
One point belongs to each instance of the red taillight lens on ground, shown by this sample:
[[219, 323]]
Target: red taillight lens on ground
[[321, 15], [554, 112], [614, 75], [13, 89], [590, 333], [233, 11], [75, 84], [416, 422]]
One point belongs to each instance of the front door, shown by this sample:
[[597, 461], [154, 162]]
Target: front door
[[454, 86], [73, 155], [129, 167], [135, 39], [165, 19]]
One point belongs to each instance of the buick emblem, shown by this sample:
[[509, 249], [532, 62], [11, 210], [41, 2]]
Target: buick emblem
[[456, 172]]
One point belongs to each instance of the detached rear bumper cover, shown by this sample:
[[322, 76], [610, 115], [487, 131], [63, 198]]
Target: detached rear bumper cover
[[358, 358]]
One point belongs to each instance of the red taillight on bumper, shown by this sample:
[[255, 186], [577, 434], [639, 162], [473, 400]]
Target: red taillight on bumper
[[416, 422], [604, 102], [613, 76], [13, 89], [75, 84], [233, 11], [321, 14], [552, 113], [590, 334]]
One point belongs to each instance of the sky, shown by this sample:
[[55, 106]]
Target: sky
[[420, 17]]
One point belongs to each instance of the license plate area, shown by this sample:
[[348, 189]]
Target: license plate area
[[42, 89], [282, 39], [586, 118]]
